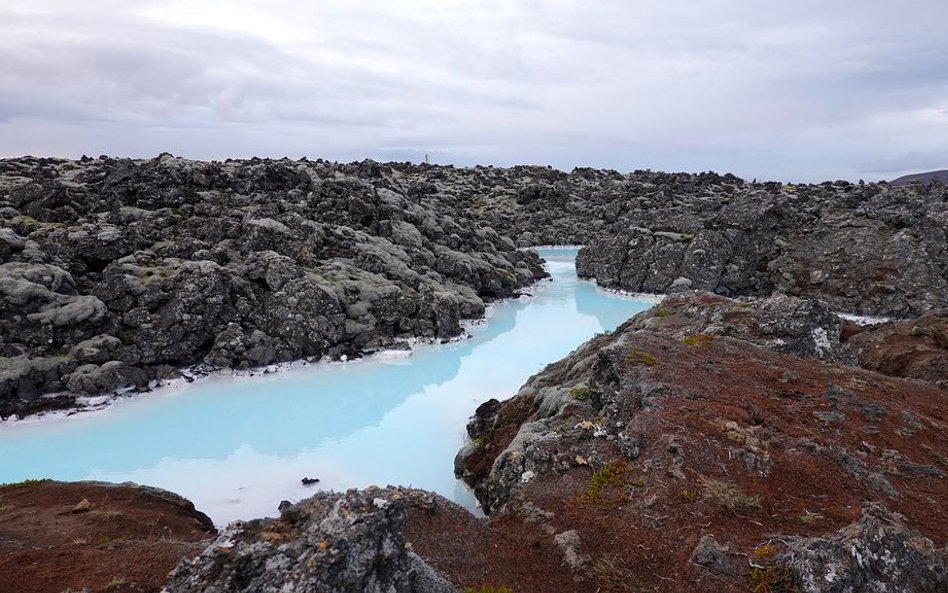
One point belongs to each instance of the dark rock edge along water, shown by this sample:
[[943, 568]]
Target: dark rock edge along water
[[708, 417], [116, 273]]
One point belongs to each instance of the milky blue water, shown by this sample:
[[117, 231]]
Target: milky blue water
[[237, 446]]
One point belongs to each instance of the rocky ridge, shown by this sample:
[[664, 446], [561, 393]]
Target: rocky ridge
[[868, 249], [927, 177]]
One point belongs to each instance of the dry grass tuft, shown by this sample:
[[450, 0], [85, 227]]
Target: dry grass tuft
[[636, 357], [613, 573], [608, 484], [728, 495], [698, 340]]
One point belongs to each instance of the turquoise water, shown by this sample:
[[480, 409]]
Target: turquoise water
[[237, 446]]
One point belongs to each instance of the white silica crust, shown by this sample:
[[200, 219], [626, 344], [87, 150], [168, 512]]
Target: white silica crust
[[863, 319]]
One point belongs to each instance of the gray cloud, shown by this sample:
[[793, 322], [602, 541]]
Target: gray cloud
[[809, 91]]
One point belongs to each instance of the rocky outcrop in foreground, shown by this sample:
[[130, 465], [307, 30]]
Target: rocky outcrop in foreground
[[720, 445], [877, 553], [344, 543], [94, 537]]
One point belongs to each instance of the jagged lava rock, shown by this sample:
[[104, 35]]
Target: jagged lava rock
[[350, 542], [226, 265]]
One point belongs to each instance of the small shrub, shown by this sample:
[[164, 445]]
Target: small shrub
[[688, 495], [773, 579], [115, 583], [767, 577], [636, 357], [698, 340], [106, 515], [763, 553], [30, 482], [580, 393], [729, 495], [808, 517], [613, 475], [663, 312]]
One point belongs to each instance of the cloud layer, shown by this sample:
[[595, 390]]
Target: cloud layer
[[806, 91]]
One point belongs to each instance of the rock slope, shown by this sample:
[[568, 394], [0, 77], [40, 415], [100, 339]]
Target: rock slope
[[720, 445], [869, 249]]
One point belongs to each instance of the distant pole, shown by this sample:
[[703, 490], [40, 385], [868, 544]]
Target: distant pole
[[426, 158]]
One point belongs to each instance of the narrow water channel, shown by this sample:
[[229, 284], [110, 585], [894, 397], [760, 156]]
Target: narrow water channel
[[236, 446]]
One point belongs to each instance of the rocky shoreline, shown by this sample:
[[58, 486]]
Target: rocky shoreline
[[54, 405], [781, 454], [118, 273], [738, 436]]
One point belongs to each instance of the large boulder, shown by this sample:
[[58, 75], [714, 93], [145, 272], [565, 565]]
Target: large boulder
[[876, 554], [350, 542], [105, 378]]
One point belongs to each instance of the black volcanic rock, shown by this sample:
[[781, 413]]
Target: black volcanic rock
[[247, 263], [345, 542], [867, 249], [113, 270]]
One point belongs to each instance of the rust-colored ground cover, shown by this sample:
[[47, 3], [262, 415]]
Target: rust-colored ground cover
[[125, 539], [744, 444]]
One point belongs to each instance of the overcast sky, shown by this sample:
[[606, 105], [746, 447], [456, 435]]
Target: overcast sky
[[802, 90]]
